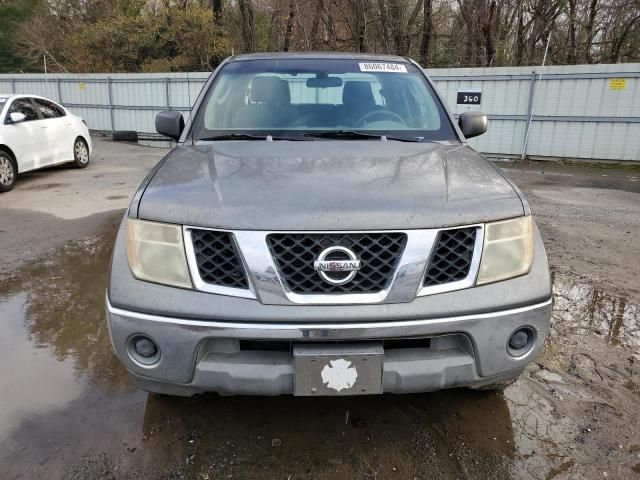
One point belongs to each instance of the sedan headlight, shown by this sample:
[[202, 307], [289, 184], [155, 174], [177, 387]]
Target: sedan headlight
[[156, 253], [507, 251]]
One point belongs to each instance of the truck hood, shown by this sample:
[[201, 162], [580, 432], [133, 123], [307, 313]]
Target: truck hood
[[327, 185]]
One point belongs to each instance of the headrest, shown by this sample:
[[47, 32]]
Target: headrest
[[272, 90], [358, 93]]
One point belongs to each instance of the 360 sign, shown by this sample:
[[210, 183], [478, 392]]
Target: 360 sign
[[469, 97]]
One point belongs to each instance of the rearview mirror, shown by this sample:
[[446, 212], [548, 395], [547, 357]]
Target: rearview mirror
[[17, 117], [472, 124], [170, 124], [324, 82]]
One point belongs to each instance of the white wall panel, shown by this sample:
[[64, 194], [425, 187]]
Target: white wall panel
[[578, 94]]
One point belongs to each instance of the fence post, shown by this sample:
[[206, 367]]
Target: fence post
[[532, 87], [109, 81], [166, 92], [13, 85], [59, 90]]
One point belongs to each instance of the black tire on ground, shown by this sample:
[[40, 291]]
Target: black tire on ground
[[80, 153], [8, 172], [125, 136]]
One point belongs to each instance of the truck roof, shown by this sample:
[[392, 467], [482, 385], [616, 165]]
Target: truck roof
[[320, 56]]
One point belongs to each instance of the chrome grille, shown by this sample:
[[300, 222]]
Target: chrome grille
[[217, 259], [451, 259], [295, 253]]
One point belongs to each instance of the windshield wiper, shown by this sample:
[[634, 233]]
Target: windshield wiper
[[337, 134], [246, 136], [353, 134]]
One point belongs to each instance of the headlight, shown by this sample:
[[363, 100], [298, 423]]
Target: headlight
[[156, 253], [507, 251]]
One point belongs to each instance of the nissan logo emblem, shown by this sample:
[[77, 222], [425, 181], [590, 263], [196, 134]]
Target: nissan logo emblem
[[337, 265]]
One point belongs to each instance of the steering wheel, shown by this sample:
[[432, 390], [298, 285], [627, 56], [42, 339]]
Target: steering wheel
[[379, 113]]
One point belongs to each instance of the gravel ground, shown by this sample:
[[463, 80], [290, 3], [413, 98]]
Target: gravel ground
[[68, 409]]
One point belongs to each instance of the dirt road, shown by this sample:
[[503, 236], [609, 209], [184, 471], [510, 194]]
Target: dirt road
[[68, 410]]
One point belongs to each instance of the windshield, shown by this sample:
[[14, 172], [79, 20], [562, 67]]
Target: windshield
[[306, 98]]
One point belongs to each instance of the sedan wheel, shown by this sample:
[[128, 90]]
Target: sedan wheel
[[80, 153], [8, 172]]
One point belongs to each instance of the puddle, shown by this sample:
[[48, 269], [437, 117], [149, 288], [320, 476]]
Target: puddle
[[64, 393], [62, 310], [69, 410], [584, 310], [32, 384], [575, 413]]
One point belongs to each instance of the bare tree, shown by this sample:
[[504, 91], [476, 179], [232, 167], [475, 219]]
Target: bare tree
[[154, 35], [247, 26], [315, 27], [572, 52], [621, 38], [289, 29], [216, 8], [384, 19], [360, 25], [426, 32], [35, 41], [521, 34], [487, 33], [589, 29]]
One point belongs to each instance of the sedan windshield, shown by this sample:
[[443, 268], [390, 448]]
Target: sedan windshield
[[307, 99]]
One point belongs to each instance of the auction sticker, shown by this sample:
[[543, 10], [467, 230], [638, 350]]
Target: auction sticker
[[383, 67]]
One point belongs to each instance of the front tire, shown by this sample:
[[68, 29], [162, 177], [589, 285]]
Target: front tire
[[80, 153], [8, 172]]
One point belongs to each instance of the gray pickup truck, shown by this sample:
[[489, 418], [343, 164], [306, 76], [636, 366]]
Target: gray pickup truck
[[322, 227]]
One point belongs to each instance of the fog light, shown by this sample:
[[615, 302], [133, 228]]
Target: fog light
[[521, 341], [143, 350], [144, 347]]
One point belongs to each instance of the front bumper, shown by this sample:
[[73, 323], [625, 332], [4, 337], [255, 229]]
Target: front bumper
[[199, 355]]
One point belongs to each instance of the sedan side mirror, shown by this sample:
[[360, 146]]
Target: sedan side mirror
[[17, 117], [472, 124], [170, 124]]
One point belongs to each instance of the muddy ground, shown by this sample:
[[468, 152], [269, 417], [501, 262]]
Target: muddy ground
[[68, 410]]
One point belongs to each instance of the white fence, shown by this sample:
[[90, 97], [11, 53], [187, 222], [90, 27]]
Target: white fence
[[113, 102], [580, 111]]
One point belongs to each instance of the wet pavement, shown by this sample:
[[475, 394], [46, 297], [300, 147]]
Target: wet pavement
[[68, 410]]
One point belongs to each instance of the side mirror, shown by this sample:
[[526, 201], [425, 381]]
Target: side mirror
[[17, 117], [472, 124], [170, 124]]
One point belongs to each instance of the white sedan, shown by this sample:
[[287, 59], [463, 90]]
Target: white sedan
[[36, 133]]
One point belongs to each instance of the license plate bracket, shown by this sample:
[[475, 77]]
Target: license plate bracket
[[338, 369]]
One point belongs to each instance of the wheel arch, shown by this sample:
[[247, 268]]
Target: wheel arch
[[84, 139], [5, 148], [81, 137]]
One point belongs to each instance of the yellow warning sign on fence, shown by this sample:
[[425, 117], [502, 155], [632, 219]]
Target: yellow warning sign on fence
[[617, 83]]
